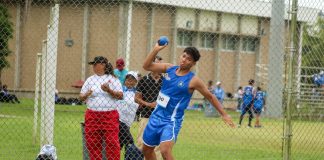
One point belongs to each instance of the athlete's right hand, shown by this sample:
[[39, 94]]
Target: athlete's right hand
[[158, 48]]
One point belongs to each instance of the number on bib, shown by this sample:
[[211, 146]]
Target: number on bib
[[163, 100]]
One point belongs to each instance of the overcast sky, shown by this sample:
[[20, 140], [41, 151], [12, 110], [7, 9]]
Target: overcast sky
[[319, 4], [312, 3]]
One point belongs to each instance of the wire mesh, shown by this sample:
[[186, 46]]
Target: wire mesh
[[72, 76]]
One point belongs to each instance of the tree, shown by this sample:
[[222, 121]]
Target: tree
[[313, 44], [6, 32], [313, 49]]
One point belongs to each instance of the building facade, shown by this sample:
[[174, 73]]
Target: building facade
[[234, 43]]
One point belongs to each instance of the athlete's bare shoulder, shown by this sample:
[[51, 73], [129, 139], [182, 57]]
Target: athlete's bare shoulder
[[168, 65], [196, 83]]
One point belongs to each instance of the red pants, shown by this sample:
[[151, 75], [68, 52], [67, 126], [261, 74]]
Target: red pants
[[102, 127]]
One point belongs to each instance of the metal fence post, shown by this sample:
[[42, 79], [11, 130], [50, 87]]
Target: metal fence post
[[289, 86]]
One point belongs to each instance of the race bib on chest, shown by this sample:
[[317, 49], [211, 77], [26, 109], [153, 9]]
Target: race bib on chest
[[163, 100]]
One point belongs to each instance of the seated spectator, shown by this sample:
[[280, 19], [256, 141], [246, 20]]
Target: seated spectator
[[58, 99], [6, 97], [73, 101], [66, 101], [2, 96], [56, 96]]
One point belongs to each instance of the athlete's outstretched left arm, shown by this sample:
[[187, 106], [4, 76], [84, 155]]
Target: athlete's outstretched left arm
[[197, 84]]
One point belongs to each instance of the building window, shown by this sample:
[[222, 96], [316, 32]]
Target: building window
[[230, 43], [185, 38], [250, 44], [207, 40]]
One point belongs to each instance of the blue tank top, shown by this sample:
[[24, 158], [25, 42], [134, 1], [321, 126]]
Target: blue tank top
[[176, 88], [258, 100], [247, 95]]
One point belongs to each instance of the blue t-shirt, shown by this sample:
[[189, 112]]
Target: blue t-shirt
[[126, 89], [127, 107], [176, 89], [259, 100], [247, 95], [121, 75], [318, 79], [219, 93]]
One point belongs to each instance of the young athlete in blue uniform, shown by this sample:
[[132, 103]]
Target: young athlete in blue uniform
[[177, 88], [248, 96], [259, 102]]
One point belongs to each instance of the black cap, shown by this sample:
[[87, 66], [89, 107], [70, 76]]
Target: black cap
[[99, 59]]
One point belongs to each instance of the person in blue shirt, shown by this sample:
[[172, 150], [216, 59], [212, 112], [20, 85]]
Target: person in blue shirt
[[178, 85], [259, 102], [219, 92], [248, 96], [120, 70], [210, 111], [319, 79]]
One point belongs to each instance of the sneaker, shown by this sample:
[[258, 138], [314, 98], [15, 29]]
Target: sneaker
[[238, 126], [257, 126], [249, 126]]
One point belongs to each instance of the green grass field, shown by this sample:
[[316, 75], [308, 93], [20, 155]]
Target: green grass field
[[201, 138]]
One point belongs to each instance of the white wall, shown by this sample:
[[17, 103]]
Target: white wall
[[185, 18], [249, 25], [207, 21], [229, 23]]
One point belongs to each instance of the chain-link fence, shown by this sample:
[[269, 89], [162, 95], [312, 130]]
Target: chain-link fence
[[71, 76]]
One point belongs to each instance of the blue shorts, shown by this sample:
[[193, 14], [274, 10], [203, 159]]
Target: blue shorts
[[246, 108], [159, 130]]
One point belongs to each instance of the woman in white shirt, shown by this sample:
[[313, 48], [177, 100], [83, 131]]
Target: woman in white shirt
[[101, 92]]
